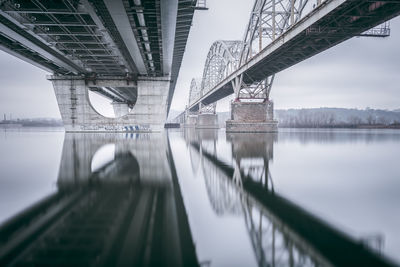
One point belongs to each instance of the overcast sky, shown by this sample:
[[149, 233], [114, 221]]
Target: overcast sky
[[361, 72]]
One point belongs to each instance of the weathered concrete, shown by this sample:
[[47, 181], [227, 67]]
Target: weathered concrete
[[190, 121], [148, 114], [207, 121], [120, 109], [252, 117]]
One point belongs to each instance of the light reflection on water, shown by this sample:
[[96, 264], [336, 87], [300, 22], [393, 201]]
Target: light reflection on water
[[203, 196]]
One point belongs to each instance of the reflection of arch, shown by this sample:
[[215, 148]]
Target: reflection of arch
[[223, 195], [194, 159]]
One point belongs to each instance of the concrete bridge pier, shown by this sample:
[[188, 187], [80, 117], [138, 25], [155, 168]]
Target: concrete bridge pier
[[190, 120], [252, 117], [120, 109], [207, 121], [147, 115]]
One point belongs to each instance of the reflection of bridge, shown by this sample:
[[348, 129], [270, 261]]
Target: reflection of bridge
[[116, 216], [127, 51], [282, 234], [279, 34]]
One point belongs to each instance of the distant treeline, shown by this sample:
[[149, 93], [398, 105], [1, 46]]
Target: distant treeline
[[39, 122], [338, 117]]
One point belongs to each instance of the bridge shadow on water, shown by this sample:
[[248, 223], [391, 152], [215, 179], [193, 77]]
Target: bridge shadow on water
[[130, 210]]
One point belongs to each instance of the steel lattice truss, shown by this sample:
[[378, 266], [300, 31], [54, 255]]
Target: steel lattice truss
[[222, 60], [194, 92], [269, 19]]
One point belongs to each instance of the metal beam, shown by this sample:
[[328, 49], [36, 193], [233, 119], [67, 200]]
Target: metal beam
[[169, 11], [120, 18], [15, 31]]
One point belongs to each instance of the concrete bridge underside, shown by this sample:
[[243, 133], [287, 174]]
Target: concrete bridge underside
[[139, 45]]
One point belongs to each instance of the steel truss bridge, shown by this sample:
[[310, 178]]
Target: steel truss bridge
[[93, 39], [280, 34]]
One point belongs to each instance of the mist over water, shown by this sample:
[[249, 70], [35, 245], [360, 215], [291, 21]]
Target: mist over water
[[204, 196]]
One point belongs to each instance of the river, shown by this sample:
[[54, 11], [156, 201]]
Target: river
[[301, 197]]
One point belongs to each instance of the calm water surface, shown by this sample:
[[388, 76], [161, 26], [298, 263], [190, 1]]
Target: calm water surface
[[297, 198]]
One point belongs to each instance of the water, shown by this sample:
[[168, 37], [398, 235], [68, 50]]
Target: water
[[300, 197]]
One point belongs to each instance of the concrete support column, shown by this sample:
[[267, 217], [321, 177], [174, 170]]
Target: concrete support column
[[190, 120], [207, 121], [252, 117], [120, 109], [148, 114]]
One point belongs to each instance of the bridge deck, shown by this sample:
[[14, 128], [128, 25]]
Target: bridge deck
[[99, 38]]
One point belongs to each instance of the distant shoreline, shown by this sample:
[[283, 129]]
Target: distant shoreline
[[395, 126]]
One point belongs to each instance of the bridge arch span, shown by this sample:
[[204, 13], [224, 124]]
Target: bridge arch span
[[195, 87], [222, 59]]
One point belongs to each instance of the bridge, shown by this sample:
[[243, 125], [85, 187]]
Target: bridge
[[279, 34], [127, 51]]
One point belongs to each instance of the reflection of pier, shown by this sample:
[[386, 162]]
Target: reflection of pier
[[129, 212], [282, 234], [252, 153]]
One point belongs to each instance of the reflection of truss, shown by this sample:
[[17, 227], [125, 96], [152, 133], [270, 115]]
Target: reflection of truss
[[221, 192], [258, 171], [274, 244]]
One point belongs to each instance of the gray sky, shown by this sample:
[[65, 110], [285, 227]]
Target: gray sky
[[358, 73]]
